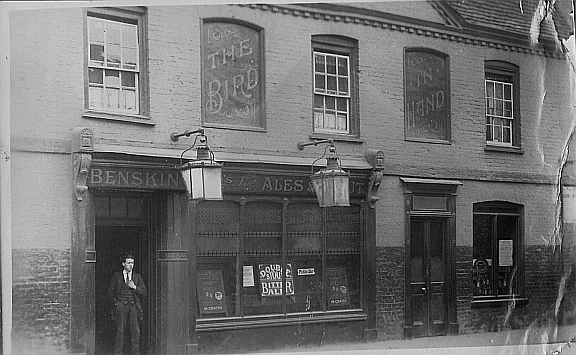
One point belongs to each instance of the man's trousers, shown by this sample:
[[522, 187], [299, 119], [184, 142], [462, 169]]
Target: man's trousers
[[127, 314]]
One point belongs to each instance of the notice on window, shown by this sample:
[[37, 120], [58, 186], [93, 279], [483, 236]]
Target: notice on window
[[505, 252], [270, 276], [338, 294], [210, 288], [248, 276]]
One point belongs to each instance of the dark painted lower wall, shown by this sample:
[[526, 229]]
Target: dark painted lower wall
[[544, 269], [40, 301], [390, 292], [281, 337]]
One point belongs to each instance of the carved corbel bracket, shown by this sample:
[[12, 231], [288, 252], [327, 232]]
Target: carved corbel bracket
[[82, 164], [373, 186], [375, 158]]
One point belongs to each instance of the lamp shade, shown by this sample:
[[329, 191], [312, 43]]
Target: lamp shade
[[203, 179], [331, 186]]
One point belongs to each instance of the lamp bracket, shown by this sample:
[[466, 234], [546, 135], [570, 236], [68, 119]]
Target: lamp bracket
[[174, 135], [301, 145]]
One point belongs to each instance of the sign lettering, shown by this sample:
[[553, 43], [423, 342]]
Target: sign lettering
[[231, 75], [426, 94], [270, 276]]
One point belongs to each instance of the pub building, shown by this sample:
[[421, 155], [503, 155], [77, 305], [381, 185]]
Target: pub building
[[287, 175]]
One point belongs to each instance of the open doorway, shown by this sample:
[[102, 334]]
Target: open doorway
[[116, 236]]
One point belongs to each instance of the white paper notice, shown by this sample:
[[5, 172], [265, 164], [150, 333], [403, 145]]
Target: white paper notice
[[248, 276], [505, 251]]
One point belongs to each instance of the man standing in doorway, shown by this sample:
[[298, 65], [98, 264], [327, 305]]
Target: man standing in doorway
[[125, 291]]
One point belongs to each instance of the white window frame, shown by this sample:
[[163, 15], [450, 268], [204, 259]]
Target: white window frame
[[126, 75], [337, 96], [501, 110]]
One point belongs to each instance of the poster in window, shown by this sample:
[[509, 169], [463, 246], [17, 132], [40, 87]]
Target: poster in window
[[232, 75], [505, 252], [338, 292], [211, 295], [270, 276], [426, 94]]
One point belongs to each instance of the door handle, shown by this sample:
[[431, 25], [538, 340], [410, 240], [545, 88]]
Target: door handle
[[423, 289]]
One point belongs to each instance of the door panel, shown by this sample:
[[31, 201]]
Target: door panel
[[427, 291]]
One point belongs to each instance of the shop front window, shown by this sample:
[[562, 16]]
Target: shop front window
[[268, 258], [497, 243]]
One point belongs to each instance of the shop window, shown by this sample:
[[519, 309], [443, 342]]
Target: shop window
[[116, 62], [497, 249], [267, 258], [502, 98], [335, 85]]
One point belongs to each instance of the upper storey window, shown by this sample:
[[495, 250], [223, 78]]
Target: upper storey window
[[335, 85], [501, 94], [115, 62]]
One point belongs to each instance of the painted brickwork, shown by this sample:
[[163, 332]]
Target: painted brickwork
[[41, 300], [390, 292], [41, 260]]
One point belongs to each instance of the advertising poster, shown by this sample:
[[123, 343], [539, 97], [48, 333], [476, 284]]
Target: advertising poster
[[270, 276], [210, 288], [338, 287]]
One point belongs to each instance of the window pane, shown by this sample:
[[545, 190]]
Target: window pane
[[95, 94], [343, 66], [490, 106], [508, 92], [95, 76], [507, 109], [112, 96], [499, 91], [319, 82], [330, 102], [96, 30], [343, 86], [129, 79], [113, 56], [112, 78], [331, 84], [129, 99], [342, 122], [118, 207], [331, 65], [130, 56], [499, 108], [113, 33], [319, 119], [97, 53], [489, 89], [330, 120], [129, 36], [319, 63], [319, 101], [342, 104], [482, 254]]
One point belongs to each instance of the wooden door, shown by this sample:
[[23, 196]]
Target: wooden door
[[428, 245]]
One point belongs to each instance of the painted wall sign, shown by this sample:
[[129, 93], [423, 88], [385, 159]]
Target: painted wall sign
[[426, 94], [211, 295], [232, 75], [135, 177], [270, 276], [338, 294], [236, 182], [165, 178]]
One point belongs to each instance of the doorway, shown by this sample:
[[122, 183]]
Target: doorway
[[116, 235], [428, 245]]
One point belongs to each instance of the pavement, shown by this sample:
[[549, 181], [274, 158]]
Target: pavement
[[534, 341]]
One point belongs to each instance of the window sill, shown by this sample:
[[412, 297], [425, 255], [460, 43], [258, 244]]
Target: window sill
[[136, 119], [427, 140], [497, 148], [234, 128], [490, 301], [233, 323], [337, 137]]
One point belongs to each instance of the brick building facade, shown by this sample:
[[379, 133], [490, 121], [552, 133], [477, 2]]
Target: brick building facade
[[456, 231]]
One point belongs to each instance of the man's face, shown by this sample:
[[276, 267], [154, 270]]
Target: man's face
[[128, 264]]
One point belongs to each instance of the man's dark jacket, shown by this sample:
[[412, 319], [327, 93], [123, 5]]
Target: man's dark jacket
[[116, 283]]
